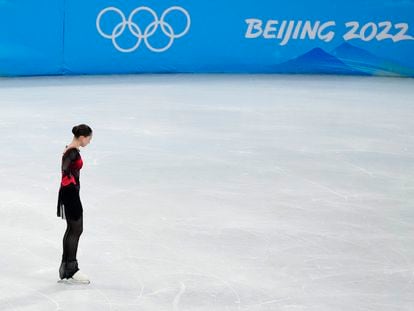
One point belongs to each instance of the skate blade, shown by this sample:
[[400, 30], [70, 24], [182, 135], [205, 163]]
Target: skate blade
[[72, 281]]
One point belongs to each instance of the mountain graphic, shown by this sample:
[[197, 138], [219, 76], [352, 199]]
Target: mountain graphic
[[362, 60], [317, 61]]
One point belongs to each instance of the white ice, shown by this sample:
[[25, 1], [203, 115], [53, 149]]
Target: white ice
[[212, 192]]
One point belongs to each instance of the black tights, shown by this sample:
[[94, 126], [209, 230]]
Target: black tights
[[71, 239]]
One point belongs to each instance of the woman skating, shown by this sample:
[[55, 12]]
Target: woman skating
[[69, 206]]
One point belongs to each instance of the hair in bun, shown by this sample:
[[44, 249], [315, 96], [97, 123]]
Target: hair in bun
[[74, 130], [81, 130]]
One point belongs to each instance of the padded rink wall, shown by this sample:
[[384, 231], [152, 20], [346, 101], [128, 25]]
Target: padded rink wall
[[354, 37]]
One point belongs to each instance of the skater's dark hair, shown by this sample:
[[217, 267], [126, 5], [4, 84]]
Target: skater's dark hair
[[81, 130]]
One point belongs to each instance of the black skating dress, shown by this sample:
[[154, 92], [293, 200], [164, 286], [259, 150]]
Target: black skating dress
[[69, 205]]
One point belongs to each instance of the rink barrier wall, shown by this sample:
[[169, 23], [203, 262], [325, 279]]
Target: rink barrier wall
[[366, 37]]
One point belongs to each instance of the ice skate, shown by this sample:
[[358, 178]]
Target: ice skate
[[78, 278], [72, 275]]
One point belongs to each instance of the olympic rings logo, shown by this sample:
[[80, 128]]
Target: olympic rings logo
[[137, 32]]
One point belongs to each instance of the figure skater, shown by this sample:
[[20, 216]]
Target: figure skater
[[69, 206]]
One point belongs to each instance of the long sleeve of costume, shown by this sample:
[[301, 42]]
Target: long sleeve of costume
[[69, 173]]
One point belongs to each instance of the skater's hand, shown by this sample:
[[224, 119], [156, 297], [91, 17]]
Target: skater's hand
[[68, 179]]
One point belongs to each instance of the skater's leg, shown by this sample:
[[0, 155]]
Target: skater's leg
[[65, 236], [69, 265], [71, 238], [62, 267]]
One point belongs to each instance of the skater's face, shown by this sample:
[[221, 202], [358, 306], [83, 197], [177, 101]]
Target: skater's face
[[85, 140]]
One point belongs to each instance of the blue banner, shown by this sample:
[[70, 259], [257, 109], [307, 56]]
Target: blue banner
[[31, 37], [363, 37]]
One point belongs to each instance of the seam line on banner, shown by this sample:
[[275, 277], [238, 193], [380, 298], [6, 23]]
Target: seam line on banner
[[62, 65]]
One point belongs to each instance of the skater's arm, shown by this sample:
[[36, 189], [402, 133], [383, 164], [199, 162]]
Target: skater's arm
[[68, 159]]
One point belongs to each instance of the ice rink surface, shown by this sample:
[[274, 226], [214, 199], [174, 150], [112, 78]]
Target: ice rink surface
[[212, 192]]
